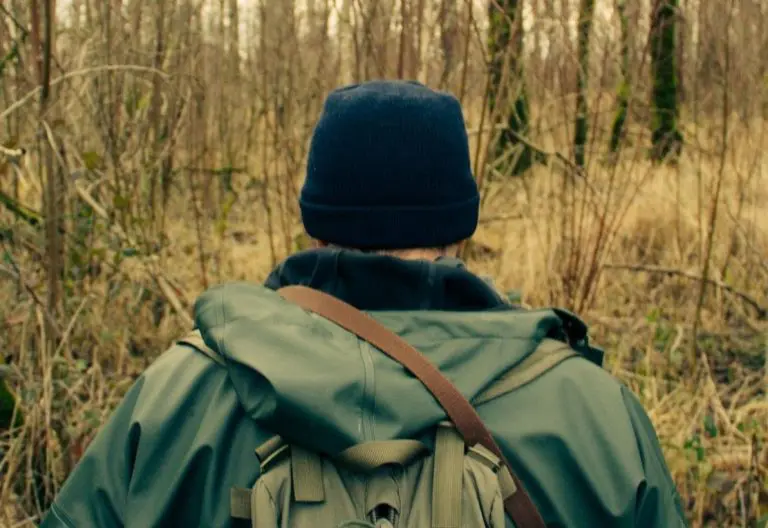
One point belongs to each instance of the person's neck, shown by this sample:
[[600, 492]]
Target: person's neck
[[430, 254], [417, 254]]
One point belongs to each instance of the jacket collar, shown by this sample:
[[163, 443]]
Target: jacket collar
[[378, 282]]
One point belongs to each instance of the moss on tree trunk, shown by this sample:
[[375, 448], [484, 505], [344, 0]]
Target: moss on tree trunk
[[622, 97], [505, 44], [665, 137], [586, 11]]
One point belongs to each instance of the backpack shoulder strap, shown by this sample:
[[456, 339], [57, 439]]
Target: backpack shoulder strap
[[548, 354], [461, 413], [448, 475], [195, 340]]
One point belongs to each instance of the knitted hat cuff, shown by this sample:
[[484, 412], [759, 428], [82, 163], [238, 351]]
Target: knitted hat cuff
[[391, 227]]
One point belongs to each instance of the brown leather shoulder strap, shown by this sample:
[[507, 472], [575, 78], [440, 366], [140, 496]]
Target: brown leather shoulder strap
[[519, 505]]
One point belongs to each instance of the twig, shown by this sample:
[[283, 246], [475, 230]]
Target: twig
[[501, 218], [15, 275], [21, 211], [70, 327], [761, 310], [79, 73], [547, 154], [33, 218], [13, 19], [211, 171], [713, 216], [173, 299], [480, 130], [165, 287], [9, 372], [13, 155]]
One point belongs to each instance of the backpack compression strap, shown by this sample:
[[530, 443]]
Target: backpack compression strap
[[518, 504]]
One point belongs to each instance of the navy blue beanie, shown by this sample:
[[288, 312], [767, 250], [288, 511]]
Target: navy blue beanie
[[389, 168]]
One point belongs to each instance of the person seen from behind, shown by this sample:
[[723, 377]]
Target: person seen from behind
[[340, 428]]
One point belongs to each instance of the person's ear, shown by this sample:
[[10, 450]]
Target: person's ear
[[318, 244]]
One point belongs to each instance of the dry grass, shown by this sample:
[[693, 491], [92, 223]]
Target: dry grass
[[712, 419]]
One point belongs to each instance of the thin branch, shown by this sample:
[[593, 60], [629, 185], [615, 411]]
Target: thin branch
[[13, 155], [165, 286], [761, 310], [80, 73], [540, 151], [16, 275], [501, 218], [16, 22], [713, 216], [28, 215], [578, 171]]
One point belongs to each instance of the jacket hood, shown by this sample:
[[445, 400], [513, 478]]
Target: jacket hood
[[379, 282], [308, 380]]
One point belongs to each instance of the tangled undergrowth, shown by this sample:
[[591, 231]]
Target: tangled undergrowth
[[632, 269]]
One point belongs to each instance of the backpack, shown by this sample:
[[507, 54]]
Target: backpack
[[458, 479], [399, 483]]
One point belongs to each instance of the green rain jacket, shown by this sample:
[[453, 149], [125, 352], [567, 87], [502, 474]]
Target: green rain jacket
[[185, 433]]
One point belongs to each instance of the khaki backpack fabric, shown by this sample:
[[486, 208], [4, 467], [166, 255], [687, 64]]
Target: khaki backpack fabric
[[379, 484]]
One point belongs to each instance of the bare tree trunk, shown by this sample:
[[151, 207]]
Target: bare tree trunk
[[11, 64], [622, 98], [234, 36], [405, 27], [376, 17], [449, 34], [35, 41], [681, 31], [53, 192], [666, 138], [19, 73], [265, 161], [505, 45], [353, 13], [155, 115], [416, 42], [586, 11], [535, 59], [367, 12]]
